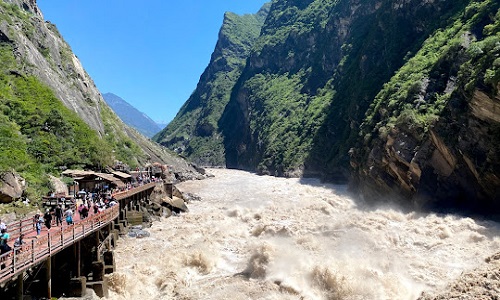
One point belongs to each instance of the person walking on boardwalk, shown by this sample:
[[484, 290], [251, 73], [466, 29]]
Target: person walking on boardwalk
[[4, 238], [69, 216], [59, 215], [36, 217], [38, 224], [85, 212], [19, 242], [48, 219]]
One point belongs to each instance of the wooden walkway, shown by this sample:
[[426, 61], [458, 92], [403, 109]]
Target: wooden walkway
[[49, 242]]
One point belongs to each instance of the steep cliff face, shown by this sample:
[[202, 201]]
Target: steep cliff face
[[51, 114], [47, 56], [315, 70], [400, 97], [194, 132], [432, 134]]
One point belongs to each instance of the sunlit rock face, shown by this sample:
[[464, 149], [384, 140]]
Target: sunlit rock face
[[11, 187]]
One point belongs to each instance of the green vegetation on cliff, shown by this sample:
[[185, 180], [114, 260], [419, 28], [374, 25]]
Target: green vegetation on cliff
[[194, 132], [39, 134], [433, 130], [416, 96], [51, 115]]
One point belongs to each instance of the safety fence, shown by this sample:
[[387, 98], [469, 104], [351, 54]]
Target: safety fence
[[128, 193], [40, 247]]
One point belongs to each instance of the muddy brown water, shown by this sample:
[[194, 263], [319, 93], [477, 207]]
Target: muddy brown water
[[262, 237]]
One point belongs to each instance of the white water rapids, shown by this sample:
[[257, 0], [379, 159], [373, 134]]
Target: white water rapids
[[262, 237]]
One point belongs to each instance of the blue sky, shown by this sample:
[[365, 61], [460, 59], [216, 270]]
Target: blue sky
[[150, 53]]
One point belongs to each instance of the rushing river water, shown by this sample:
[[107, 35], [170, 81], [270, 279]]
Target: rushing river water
[[261, 237]]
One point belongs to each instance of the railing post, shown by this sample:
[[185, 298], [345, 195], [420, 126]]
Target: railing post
[[48, 239], [14, 260], [62, 236], [32, 251], [73, 231]]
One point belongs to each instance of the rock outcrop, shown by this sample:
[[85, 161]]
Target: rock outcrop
[[12, 187]]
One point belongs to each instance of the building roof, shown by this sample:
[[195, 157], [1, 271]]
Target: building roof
[[81, 175], [121, 174], [107, 177], [77, 173]]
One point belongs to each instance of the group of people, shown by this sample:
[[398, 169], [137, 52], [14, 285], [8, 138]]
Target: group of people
[[97, 204], [58, 213]]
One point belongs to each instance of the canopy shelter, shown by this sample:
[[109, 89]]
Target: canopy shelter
[[123, 176], [91, 181], [112, 180]]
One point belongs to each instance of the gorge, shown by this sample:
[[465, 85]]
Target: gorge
[[373, 127], [400, 98]]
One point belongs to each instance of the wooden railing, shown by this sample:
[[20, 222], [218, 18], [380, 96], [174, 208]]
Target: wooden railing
[[27, 226], [42, 247], [128, 193]]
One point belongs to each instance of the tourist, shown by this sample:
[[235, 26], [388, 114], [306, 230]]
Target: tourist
[[69, 216], [19, 242], [59, 215], [2, 225], [4, 238], [38, 224], [85, 212], [48, 219], [35, 220], [80, 208]]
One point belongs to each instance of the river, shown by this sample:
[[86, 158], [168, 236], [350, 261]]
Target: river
[[262, 237]]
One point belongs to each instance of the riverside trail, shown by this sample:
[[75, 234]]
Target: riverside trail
[[262, 237]]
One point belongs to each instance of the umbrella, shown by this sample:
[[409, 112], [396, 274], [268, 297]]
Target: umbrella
[[176, 202]]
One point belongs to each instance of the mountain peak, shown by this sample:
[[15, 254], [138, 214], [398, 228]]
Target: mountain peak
[[131, 115]]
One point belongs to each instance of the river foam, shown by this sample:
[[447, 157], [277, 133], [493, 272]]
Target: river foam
[[262, 237]]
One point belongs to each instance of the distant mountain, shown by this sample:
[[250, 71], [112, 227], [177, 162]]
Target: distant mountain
[[162, 124], [131, 116]]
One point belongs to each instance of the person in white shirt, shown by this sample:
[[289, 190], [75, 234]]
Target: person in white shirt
[[69, 216]]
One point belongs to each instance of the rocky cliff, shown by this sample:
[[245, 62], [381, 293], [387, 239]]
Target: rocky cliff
[[398, 97], [52, 116], [194, 132], [432, 133]]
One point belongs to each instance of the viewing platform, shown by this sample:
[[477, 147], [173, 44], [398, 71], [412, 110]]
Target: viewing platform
[[86, 246]]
